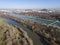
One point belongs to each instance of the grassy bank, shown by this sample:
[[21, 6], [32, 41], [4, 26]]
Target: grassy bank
[[4, 27], [10, 35]]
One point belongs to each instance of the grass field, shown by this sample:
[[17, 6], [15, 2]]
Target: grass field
[[10, 35], [6, 30]]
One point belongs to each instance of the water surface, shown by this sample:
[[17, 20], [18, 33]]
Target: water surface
[[35, 19]]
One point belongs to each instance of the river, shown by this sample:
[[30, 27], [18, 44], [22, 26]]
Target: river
[[37, 40], [36, 19]]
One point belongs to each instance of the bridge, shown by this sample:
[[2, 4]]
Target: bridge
[[52, 23]]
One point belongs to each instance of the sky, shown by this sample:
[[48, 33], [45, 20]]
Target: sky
[[29, 4]]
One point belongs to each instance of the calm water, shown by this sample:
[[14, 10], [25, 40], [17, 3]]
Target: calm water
[[35, 19]]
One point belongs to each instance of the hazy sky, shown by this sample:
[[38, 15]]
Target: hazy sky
[[27, 4]]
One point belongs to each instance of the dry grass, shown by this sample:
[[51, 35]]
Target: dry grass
[[4, 26], [10, 35]]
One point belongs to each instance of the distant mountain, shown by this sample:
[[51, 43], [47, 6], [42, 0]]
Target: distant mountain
[[44, 9]]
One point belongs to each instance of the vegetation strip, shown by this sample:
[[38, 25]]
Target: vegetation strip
[[10, 35]]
